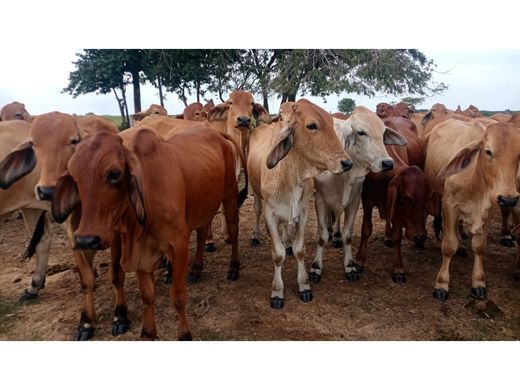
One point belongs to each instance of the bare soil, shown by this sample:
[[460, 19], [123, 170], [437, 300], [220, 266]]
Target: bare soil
[[372, 309]]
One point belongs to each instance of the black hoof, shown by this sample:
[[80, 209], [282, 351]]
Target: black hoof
[[337, 244], [516, 276], [120, 326], [478, 293], [389, 243], [289, 252], [232, 276], [186, 337], [507, 241], [255, 242], [314, 277], [399, 278], [27, 296], [168, 279], [83, 334], [277, 303], [193, 278], [462, 252], [352, 276], [440, 294], [210, 248], [305, 295]]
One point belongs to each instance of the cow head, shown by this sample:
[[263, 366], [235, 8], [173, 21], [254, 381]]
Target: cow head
[[153, 110], [404, 110], [308, 130], [410, 199], [364, 136], [436, 111], [384, 110], [194, 112], [238, 110], [106, 178], [15, 110], [496, 157], [52, 140]]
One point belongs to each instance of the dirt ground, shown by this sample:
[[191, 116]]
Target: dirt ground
[[372, 309]]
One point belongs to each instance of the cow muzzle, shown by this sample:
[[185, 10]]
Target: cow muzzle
[[387, 164], [507, 200], [45, 193], [88, 242], [243, 121]]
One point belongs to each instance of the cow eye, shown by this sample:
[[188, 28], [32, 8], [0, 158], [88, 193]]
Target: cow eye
[[113, 176], [489, 152], [312, 126], [74, 141], [361, 132]]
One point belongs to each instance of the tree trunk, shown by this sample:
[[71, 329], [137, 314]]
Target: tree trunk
[[161, 97], [265, 95], [137, 91], [197, 85], [125, 104], [121, 107]]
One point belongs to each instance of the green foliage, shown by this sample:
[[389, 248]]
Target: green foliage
[[413, 101], [346, 105]]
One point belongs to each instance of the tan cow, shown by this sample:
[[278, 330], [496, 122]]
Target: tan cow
[[94, 123], [17, 193], [194, 112], [438, 114], [52, 141], [282, 158], [473, 168], [501, 117], [153, 110], [14, 110]]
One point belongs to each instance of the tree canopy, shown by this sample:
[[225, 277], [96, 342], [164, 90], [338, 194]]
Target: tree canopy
[[346, 105]]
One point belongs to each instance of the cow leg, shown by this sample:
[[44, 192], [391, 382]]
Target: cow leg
[[284, 233], [366, 232], [31, 218], [505, 233], [278, 255], [198, 262], [516, 221], [398, 275], [85, 329], [230, 211], [178, 291], [388, 234], [147, 288], [304, 288], [449, 246], [352, 270], [257, 205], [461, 250], [121, 323], [478, 283], [323, 234], [210, 243]]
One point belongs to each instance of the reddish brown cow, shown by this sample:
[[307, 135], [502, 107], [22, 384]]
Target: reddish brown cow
[[340, 115], [397, 122], [94, 123], [403, 196], [385, 110], [194, 112], [209, 105], [403, 110], [151, 193], [14, 110], [153, 110]]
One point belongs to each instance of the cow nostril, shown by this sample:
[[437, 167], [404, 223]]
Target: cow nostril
[[243, 121], [45, 193], [346, 164], [88, 242], [507, 200], [387, 165]]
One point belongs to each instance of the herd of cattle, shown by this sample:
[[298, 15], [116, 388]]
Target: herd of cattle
[[142, 191]]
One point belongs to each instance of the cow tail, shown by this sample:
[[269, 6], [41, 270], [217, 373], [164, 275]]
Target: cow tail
[[242, 195], [36, 237]]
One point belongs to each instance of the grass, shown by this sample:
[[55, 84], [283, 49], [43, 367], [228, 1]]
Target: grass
[[7, 311]]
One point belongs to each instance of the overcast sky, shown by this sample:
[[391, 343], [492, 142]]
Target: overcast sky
[[486, 78]]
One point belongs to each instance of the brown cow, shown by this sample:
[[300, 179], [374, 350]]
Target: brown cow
[[501, 117], [473, 168], [194, 112], [153, 110], [438, 113], [385, 110], [403, 110], [151, 193], [282, 157], [403, 197], [52, 141], [14, 110], [340, 115], [94, 123], [397, 122]]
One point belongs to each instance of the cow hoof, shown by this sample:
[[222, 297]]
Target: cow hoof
[[440, 294], [168, 279], [210, 248], [462, 252], [147, 335], [399, 278], [255, 242], [305, 295], [507, 241], [389, 243], [83, 334], [516, 276], [120, 326], [352, 276], [337, 244], [163, 262], [277, 303], [314, 277], [193, 278], [27, 296], [232, 276], [478, 293], [186, 337]]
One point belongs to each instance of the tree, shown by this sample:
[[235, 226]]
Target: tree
[[346, 106], [413, 102]]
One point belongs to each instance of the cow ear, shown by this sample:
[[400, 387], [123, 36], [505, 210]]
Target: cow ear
[[391, 197], [218, 112], [392, 137], [20, 162], [282, 147], [139, 116], [259, 112], [276, 118], [204, 114], [65, 198], [135, 186], [180, 116], [461, 160], [426, 118]]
